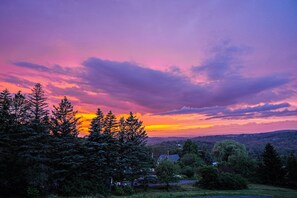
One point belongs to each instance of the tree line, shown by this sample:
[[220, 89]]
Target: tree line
[[228, 165], [41, 152]]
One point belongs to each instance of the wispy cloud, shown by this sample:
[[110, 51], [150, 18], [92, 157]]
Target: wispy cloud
[[259, 111]]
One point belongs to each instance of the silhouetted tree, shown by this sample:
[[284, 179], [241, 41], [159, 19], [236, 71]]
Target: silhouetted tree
[[189, 147], [64, 121], [291, 170], [270, 170], [102, 151], [134, 156], [39, 109]]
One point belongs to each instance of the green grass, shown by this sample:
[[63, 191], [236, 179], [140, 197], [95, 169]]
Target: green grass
[[190, 191]]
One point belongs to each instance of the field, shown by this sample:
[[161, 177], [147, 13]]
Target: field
[[190, 191]]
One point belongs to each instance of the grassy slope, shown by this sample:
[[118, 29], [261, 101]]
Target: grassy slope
[[189, 191]]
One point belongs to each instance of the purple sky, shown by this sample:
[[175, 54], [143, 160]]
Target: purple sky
[[212, 63]]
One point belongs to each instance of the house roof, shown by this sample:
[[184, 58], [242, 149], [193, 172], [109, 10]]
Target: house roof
[[172, 158]]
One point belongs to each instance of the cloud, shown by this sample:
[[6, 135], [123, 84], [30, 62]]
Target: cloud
[[19, 81], [32, 66], [130, 82], [55, 69], [84, 97], [161, 90], [265, 110], [224, 63]]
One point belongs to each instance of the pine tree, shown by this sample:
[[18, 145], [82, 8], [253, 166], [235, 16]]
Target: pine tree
[[20, 109], [271, 168], [5, 147], [102, 149], [16, 163], [291, 170], [67, 150], [190, 147], [134, 156], [97, 124], [111, 125], [39, 109], [110, 146], [5, 105], [64, 121], [35, 147]]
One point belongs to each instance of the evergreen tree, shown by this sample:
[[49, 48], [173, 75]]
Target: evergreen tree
[[102, 149], [189, 147], [97, 124], [67, 154], [39, 109], [111, 125], [5, 105], [20, 109], [291, 170], [134, 156], [64, 121], [34, 149], [271, 168], [5, 147]]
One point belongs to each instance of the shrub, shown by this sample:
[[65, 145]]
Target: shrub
[[188, 171], [33, 192], [123, 190], [209, 177], [212, 179], [229, 181], [128, 190], [119, 191]]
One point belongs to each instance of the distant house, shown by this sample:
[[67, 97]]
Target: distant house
[[174, 158]]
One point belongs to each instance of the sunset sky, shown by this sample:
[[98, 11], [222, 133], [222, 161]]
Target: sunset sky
[[186, 68]]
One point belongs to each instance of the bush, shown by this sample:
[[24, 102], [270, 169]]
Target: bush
[[188, 171], [123, 190], [119, 191], [209, 177], [33, 192], [229, 181], [212, 179], [128, 190]]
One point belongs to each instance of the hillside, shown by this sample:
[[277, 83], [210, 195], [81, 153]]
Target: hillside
[[285, 141]]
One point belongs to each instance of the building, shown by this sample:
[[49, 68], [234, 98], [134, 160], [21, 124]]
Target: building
[[174, 158]]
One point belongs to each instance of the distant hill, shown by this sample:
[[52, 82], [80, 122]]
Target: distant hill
[[285, 141], [156, 140]]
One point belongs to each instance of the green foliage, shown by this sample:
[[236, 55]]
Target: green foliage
[[229, 181], [119, 191], [225, 149], [33, 192], [166, 171], [209, 177], [189, 147], [233, 157], [123, 190], [188, 171], [191, 160], [128, 190]]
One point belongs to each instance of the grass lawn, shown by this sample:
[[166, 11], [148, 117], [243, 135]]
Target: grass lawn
[[190, 191]]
